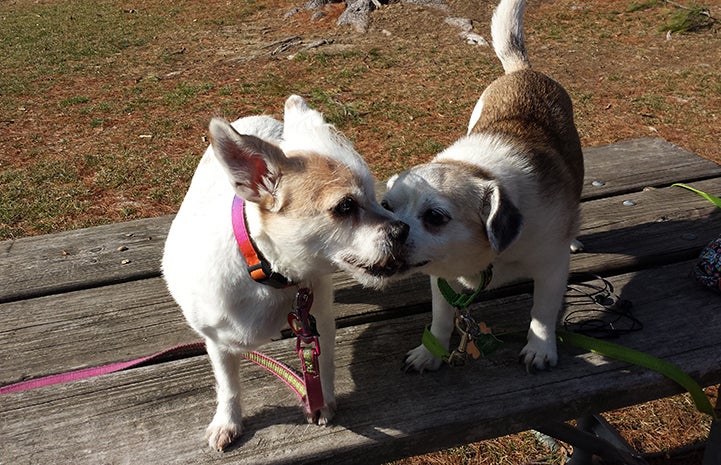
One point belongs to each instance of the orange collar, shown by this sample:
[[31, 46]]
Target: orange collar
[[258, 267]]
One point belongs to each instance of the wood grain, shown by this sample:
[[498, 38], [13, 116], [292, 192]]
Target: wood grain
[[157, 414], [95, 326]]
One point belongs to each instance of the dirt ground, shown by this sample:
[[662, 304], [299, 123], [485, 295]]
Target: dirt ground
[[104, 110]]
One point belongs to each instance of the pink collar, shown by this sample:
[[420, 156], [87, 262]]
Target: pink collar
[[258, 267]]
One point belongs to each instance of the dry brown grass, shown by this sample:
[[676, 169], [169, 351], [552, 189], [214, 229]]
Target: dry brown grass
[[667, 431]]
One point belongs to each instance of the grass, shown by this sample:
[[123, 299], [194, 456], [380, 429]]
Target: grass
[[688, 20], [339, 113], [640, 6], [680, 18], [61, 196], [64, 37], [184, 94]]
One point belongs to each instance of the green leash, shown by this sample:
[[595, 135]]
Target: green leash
[[610, 350], [635, 357], [434, 346], [604, 348], [488, 342], [461, 300], [711, 198], [476, 338]]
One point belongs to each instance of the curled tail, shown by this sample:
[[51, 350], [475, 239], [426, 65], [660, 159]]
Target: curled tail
[[507, 35]]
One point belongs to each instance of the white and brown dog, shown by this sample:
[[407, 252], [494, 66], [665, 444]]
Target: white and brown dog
[[506, 194], [310, 210]]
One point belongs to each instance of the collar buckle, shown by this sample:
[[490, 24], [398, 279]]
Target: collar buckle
[[262, 274]]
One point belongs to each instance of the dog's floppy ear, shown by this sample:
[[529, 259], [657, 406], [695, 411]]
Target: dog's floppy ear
[[502, 218], [252, 164]]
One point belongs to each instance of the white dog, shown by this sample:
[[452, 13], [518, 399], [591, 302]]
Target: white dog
[[310, 209], [506, 194]]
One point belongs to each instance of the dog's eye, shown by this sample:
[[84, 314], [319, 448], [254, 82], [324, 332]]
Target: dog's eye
[[345, 207], [386, 205], [435, 217]]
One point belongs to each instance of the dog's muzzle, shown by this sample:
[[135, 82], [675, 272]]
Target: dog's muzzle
[[396, 233]]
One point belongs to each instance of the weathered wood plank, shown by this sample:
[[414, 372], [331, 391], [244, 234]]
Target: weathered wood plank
[[649, 162], [157, 414], [83, 258], [35, 266], [64, 332], [661, 226], [91, 327]]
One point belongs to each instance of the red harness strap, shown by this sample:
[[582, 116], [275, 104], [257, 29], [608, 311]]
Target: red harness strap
[[258, 267], [308, 347]]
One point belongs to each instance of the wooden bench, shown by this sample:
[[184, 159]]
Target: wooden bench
[[90, 297]]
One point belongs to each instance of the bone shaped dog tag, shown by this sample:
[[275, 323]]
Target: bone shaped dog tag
[[472, 350]]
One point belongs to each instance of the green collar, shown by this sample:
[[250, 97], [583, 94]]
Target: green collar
[[463, 300], [475, 341]]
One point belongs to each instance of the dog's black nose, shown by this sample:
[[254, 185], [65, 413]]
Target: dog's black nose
[[398, 231]]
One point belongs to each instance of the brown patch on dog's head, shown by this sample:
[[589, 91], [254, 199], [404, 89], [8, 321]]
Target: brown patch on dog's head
[[317, 183], [311, 199]]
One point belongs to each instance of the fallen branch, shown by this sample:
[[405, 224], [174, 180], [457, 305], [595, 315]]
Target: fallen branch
[[285, 46], [282, 41], [319, 43]]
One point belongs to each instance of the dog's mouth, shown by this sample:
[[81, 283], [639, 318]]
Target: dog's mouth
[[420, 264], [382, 269]]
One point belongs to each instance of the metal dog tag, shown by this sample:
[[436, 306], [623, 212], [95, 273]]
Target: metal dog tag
[[472, 350]]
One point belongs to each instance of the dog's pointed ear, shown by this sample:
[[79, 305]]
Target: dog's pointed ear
[[502, 218], [300, 120], [252, 164]]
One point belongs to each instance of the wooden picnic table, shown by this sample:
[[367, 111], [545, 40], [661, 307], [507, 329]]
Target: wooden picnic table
[[90, 297]]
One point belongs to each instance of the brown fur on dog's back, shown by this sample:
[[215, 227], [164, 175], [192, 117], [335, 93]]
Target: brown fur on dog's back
[[535, 112]]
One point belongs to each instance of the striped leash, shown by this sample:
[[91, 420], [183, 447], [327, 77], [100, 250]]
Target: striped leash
[[283, 372]]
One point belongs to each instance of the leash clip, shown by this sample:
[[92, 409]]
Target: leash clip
[[470, 331], [301, 322], [308, 348]]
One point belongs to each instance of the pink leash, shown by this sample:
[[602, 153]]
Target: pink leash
[[285, 374], [301, 321], [308, 347], [182, 349]]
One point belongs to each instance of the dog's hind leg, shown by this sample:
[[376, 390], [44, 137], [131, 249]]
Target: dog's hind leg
[[227, 422]]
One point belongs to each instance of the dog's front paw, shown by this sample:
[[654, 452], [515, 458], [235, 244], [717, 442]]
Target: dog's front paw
[[221, 435], [421, 359], [323, 416], [539, 354]]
